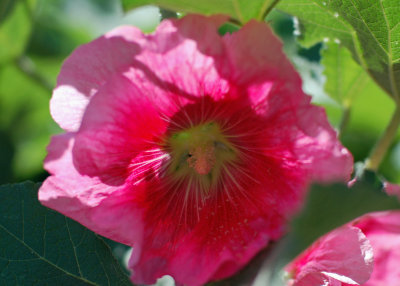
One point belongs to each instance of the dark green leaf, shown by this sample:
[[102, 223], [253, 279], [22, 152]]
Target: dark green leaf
[[6, 157], [41, 247], [241, 10]]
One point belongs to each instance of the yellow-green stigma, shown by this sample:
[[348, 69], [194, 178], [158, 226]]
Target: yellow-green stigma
[[200, 150]]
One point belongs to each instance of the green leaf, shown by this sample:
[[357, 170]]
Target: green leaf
[[377, 24], [318, 23], [369, 28], [345, 79], [41, 247], [390, 168], [363, 110], [6, 6], [25, 119], [14, 32], [352, 88], [241, 10]]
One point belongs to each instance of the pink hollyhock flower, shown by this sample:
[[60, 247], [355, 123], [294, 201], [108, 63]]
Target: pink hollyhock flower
[[349, 254], [190, 147], [383, 231], [342, 257]]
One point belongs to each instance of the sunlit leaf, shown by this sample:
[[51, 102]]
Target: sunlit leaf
[[377, 24], [317, 22], [345, 79], [241, 10], [370, 113], [369, 28], [41, 247]]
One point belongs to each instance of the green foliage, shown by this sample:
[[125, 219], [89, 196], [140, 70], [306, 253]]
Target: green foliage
[[391, 165], [36, 41], [377, 26], [329, 207], [345, 79], [25, 119], [317, 22], [241, 10], [41, 247], [14, 29], [365, 111], [6, 7], [369, 29], [370, 113]]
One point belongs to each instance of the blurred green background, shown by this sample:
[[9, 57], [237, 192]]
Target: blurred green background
[[37, 35], [35, 38]]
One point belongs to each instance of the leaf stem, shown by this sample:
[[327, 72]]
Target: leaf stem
[[235, 22], [25, 65], [29, 11], [269, 9], [379, 151], [344, 120], [167, 14]]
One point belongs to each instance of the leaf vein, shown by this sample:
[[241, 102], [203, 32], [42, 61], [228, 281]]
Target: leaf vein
[[44, 259], [73, 247]]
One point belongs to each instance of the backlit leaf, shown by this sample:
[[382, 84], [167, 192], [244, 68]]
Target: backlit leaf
[[369, 28], [345, 79]]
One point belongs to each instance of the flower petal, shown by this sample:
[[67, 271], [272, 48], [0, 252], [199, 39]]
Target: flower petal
[[392, 189], [193, 263], [318, 148], [116, 172], [87, 68], [191, 55], [256, 54], [85, 199], [120, 121], [343, 255], [260, 68], [383, 231]]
